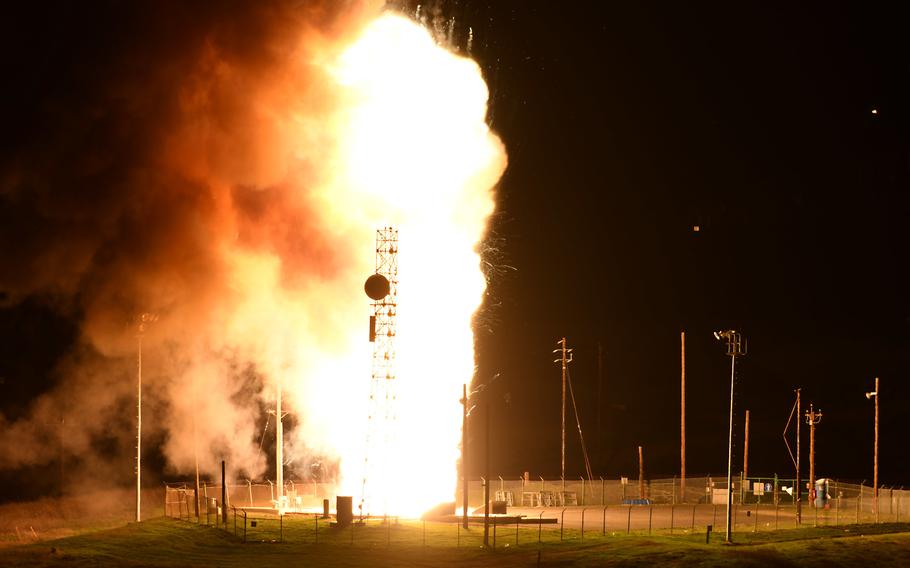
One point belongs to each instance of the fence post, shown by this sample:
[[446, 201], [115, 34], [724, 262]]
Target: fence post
[[692, 528], [672, 511], [755, 527], [583, 523], [603, 495], [494, 519], [582, 491], [539, 526], [629, 521], [604, 529], [517, 523], [244, 526], [280, 527], [714, 517], [650, 511], [562, 523]]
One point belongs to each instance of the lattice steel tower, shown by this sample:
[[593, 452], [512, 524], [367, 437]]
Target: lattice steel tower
[[382, 419]]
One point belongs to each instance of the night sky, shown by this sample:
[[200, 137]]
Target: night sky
[[781, 133]]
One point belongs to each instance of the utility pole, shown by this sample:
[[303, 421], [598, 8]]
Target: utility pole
[[812, 418], [875, 394], [799, 486], [682, 416], [195, 459], [746, 449], [279, 444], [641, 474], [139, 427], [742, 489], [564, 360], [486, 484], [464, 453], [600, 385], [144, 319], [735, 348]]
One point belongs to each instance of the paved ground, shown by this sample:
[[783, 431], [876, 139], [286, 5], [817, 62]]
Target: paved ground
[[623, 518]]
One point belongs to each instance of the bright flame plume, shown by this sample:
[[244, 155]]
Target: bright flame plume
[[411, 149]]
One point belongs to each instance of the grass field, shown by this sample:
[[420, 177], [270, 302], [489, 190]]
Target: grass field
[[169, 542]]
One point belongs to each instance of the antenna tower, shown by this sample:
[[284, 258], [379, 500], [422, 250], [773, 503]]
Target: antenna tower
[[378, 461]]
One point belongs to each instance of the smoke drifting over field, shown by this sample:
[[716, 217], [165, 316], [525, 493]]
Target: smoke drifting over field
[[194, 163]]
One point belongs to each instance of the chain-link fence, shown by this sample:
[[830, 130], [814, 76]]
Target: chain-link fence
[[544, 510]]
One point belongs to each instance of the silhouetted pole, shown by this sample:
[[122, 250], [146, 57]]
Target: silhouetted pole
[[799, 501], [224, 514], [139, 427], [600, 385], [682, 416], [195, 456], [279, 445], [641, 474], [464, 453], [486, 484]]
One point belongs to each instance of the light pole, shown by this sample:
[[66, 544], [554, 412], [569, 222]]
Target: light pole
[[870, 395], [735, 348], [144, 320]]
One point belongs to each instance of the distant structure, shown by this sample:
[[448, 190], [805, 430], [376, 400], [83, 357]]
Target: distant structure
[[382, 288]]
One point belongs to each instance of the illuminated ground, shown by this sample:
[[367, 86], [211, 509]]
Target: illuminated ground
[[168, 542]]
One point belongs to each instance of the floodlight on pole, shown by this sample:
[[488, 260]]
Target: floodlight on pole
[[870, 396], [735, 348]]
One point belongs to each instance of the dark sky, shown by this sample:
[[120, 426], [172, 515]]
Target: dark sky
[[627, 125]]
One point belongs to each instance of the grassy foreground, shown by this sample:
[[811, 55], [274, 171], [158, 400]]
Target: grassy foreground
[[167, 542]]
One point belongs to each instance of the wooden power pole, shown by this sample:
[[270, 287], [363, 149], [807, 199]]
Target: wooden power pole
[[564, 359], [682, 416], [641, 474], [746, 449], [745, 482], [813, 417], [799, 486], [464, 454]]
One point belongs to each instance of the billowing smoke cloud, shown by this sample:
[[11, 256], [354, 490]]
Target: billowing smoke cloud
[[225, 172], [154, 164]]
